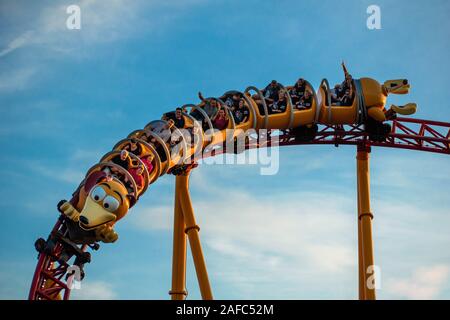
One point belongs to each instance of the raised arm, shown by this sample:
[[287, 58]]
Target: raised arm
[[345, 69], [215, 115], [200, 96]]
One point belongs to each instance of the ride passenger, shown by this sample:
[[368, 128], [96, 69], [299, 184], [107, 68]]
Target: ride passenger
[[270, 95], [347, 84], [271, 91], [298, 90], [123, 159], [154, 143], [112, 172], [305, 101], [233, 100], [159, 149], [138, 175], [346, 99], [134, 147], [346, 93], [144, 136], [177, 117], [220, 120], [280, 104], [179, 121], [210, 106], [164, 131], [147, 161], [241, 112], [334, 94]]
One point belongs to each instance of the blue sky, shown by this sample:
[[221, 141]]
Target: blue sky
[[66, 97]]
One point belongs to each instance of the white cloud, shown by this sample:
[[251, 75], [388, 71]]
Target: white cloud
[[17, 43], [94, 290], [424, 283], [265, 245], [65, 175], [400, 170], [258, 245], [101, 22]]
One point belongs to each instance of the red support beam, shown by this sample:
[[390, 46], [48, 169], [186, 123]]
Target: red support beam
[[430, 136]]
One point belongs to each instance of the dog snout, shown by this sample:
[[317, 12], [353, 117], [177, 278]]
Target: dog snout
[[84, 220]]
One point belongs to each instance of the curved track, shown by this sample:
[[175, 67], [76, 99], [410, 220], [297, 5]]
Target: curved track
[[54, 275]]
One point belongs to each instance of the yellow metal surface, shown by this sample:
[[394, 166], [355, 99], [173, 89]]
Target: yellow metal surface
[[365, 242], [178, 291], [360, 253], [373, 93], [336, 114], [377, 114], [280, 120], [192, 230], [406, 110], [399, 86], [259, 117]]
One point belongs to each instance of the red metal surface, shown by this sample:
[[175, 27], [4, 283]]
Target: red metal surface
[[49, 280], [413, 134]]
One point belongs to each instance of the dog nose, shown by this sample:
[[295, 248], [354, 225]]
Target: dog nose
[[84, 220]]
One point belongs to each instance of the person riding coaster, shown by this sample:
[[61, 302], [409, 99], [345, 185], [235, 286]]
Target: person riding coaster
[[109, 190], [375, 95]]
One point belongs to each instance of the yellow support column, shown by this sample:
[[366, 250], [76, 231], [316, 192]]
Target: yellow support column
[[178, 291], [365, 216], [192, 230], [360, 258]]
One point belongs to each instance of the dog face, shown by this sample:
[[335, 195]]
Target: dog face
[[400, 86], [106, 202]]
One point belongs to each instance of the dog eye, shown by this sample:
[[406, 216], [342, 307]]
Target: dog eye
[[98, 194], [111, 204]]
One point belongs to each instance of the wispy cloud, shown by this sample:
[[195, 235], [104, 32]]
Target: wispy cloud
[[264, 238], [17, 43], [423, 283], [66, 175], [101, 22], [94, 290], [279, 241]]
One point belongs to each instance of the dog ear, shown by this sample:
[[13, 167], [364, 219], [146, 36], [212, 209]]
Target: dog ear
[[93, 179]]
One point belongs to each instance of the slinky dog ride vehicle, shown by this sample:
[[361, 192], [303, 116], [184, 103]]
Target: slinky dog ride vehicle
[[122, 176]]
